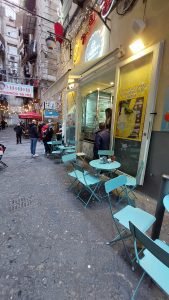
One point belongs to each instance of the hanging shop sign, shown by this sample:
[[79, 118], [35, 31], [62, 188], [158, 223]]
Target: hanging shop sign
[[59, 31], [19, 90], [50, 113], [95, 46], [106, 6]]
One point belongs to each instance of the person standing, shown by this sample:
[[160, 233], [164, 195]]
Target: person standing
[[34, 138], [47, 137], [18, 130], [3, 124], [102, 140]]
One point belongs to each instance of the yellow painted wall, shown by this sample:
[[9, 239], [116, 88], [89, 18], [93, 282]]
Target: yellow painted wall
[[157, 29]]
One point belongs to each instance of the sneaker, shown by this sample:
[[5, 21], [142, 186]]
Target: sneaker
[[36, 155]]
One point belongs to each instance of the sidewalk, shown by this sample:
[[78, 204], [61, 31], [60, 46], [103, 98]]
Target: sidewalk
[[51, 247]]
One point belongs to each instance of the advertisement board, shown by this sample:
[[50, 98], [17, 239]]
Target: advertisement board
[[14, 89]]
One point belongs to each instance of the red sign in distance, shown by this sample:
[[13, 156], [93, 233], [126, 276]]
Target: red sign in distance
[[106, 6]]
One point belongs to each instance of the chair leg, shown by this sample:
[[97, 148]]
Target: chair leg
[[5, 165], [138, 285]]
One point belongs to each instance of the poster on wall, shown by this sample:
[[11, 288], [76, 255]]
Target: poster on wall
[[130, 118], [165, 118]]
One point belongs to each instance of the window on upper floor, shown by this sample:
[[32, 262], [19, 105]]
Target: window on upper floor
[[12, 49], [12, 32]]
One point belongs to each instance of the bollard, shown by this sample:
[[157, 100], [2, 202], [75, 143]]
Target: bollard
[[160, 209]]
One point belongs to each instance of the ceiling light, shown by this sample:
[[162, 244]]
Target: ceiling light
[[112, 83], [137, 46]]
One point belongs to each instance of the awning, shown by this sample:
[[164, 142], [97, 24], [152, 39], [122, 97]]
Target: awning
[[56, 87], [30, 115]]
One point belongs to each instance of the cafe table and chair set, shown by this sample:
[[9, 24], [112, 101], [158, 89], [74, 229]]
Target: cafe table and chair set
[[129, 221]]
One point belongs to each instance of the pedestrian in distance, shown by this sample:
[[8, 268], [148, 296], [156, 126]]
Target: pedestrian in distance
[[102, 140], [47, 134], [3, 124], [18, 129], [34, 137]]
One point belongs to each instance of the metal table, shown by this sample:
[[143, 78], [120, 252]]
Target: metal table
[[109, 166]]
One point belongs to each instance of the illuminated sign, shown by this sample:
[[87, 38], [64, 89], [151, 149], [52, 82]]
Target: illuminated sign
[[106, 7], [77, 52], [95, 46], [19, 90]]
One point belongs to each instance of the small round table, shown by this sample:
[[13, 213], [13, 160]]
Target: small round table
[[104, 167]]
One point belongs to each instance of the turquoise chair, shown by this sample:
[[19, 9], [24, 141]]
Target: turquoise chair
[[71, 143], [131, 184], [89, 182], [105, 153], [166, 202], [67, 159], [56, 151], [125, 215], [154, 259]]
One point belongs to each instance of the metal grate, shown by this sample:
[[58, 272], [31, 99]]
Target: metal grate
[[21, 202]]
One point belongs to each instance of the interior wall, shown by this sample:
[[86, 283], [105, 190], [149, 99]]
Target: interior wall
[[156, 30]]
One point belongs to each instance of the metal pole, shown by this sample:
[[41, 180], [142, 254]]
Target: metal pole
[[160, 209]]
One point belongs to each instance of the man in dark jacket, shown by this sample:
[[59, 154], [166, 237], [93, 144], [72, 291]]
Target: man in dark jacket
[[102, 140], [34, 138], [18, 130], [47, 137]]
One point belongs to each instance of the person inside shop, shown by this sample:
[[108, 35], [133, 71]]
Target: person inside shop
[[47, 134], [102, 140], [34, 137], [108, 113], [19, 131]]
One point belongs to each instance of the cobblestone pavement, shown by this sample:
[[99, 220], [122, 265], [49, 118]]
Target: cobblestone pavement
[[51, 247]]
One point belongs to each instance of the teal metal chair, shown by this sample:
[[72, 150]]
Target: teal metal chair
[[71, 143], [89, 182], [154, 259], [166, 202], [125, 215], [56, 151], [68, 159], [105, 153], [131, 184]]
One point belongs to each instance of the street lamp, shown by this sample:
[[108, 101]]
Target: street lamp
[[50, 42]]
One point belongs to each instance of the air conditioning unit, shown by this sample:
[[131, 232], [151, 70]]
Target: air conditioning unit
[[12, 58]]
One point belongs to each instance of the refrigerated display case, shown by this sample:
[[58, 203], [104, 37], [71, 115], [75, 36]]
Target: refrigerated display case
[[94, 106]]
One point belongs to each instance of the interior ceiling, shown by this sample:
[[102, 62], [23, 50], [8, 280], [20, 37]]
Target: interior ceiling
[[102, 82]]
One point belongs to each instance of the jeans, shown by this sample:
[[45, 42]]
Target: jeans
[[18, 139], [33, 145]]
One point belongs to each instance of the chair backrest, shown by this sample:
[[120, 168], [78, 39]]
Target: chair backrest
[[71, 142], [78, 168], [166, 202], [115, 183], [149, 244], [69, 157], [105, 152], [140, 169]]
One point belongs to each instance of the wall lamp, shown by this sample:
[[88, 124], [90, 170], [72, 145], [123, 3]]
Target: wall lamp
[[51, 42]]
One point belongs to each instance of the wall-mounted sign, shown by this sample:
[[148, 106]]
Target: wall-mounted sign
[[49, 104], [19, 90], [50, 113], [95, 46], [77, 52], [106, 6]]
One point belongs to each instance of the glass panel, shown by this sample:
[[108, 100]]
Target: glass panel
[[71, 116], [130, 114]]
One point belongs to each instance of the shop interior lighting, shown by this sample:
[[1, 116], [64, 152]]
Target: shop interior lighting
[[137, 46], [112, 83]]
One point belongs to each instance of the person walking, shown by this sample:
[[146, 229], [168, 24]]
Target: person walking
[[102, 140], [18, 130], [34, 137]]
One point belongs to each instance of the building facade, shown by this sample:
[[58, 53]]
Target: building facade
[[106, 72]]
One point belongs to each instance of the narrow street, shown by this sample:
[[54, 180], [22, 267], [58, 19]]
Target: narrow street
[[51, 247]]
